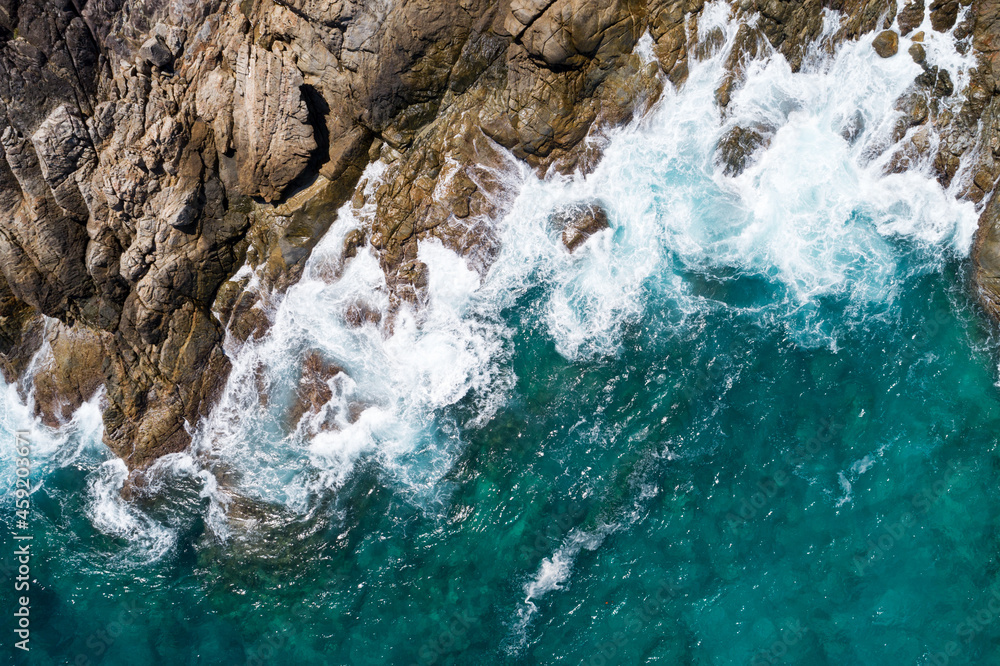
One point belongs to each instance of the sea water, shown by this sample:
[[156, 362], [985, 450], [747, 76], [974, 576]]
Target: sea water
[[754, 421]]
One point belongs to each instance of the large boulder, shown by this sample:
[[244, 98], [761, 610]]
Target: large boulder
[[886, 44], [273, 137]]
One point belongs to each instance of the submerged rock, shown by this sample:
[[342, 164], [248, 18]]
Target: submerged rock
[[738, 146], [853, 127], [579, 222], [359, 313]]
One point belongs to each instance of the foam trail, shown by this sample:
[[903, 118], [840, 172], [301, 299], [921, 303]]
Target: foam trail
[[552, 574], [555, 571]]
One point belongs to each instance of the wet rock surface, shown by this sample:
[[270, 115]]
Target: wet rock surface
[[580, 222], [982, 110], [69, 374], [886, 44], [149, 150], [910, 16], [313, 391], [737, 147]]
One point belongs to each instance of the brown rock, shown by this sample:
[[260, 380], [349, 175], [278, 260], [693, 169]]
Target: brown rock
[[579, 222], [738, 146], [273, 138], [944, 13], [915, 108], [986, 258], [910, 16], [313, 391], [155, 52], [886, 44], [360, 313], [69, 374], [353, 242], [248, 321], [746, 46]]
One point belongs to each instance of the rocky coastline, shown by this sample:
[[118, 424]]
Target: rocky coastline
[[149, 150]]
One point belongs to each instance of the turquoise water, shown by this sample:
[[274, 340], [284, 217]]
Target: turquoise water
[[752, 423]]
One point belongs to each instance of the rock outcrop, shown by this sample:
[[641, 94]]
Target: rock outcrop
[[886, 44], [580, 222], [982, 108], [68, 373], [151, 149]]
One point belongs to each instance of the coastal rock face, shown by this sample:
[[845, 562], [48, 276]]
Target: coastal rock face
[[149, 150], [69, 372], [983, 108], [273, 138]]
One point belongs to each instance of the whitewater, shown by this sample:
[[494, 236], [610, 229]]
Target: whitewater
[[755, 408]]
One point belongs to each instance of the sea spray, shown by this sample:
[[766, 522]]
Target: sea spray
[[813, 217], [658, 372]]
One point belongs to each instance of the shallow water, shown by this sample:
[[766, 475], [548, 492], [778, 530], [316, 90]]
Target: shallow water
[[752, 422]]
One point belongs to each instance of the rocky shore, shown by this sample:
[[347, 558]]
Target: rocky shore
[[148, 150]]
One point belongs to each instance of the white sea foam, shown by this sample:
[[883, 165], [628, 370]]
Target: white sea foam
[[552, 574], [51, 448], [384, 404], [940, 48], [147, 540], [644, 48], [555, 571], [813, 216], [78, 443]]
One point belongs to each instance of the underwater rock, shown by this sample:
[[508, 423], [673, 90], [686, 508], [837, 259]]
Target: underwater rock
[[738, 146], [579, 222]]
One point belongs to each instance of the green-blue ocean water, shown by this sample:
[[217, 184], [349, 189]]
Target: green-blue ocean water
[[717, 456], [737, 428]]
